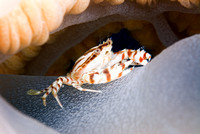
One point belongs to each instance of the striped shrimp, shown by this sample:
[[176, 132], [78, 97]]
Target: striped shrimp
[[97, 65]]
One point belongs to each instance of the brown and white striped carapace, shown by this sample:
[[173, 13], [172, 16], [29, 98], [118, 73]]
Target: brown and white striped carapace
[[97, 65]]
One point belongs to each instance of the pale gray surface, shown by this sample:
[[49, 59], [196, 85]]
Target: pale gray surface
[[162, 97], [13, 122]]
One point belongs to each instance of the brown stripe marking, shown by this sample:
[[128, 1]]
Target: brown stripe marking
[[70, 79], [46, 89], [77, 82], [123, 56], [107, 73], [112, 66], [82, 81], [144, 56], [134, 54], [92, 57], [61, 79], [67, 80], [129, 53], [59, 85], [103, 45], [91, 78], [89, 59], [123, 66], [141, 59], [55, 89], [92, 49], [119, 52], [109, 41], [133, 58], [119, 75], [150, 57], [77, 62]]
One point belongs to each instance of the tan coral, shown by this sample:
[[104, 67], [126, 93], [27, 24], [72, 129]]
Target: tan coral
[[186, 24], [98, 1], [30, 23], [188, 3], [116, 2], [32, 20], [36, 18], [144, 2], [79, 6], [16, 63]]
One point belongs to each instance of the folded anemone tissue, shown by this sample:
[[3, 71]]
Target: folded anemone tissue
[[40, 40]]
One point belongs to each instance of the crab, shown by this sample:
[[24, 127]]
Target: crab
[[97, 65]]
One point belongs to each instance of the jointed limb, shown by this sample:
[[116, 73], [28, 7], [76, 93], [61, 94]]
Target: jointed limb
[[54, 88], [109, 74], [137, 56], [84, 89]]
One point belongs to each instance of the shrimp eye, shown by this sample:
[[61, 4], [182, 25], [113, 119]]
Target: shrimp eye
[[97, 51]]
